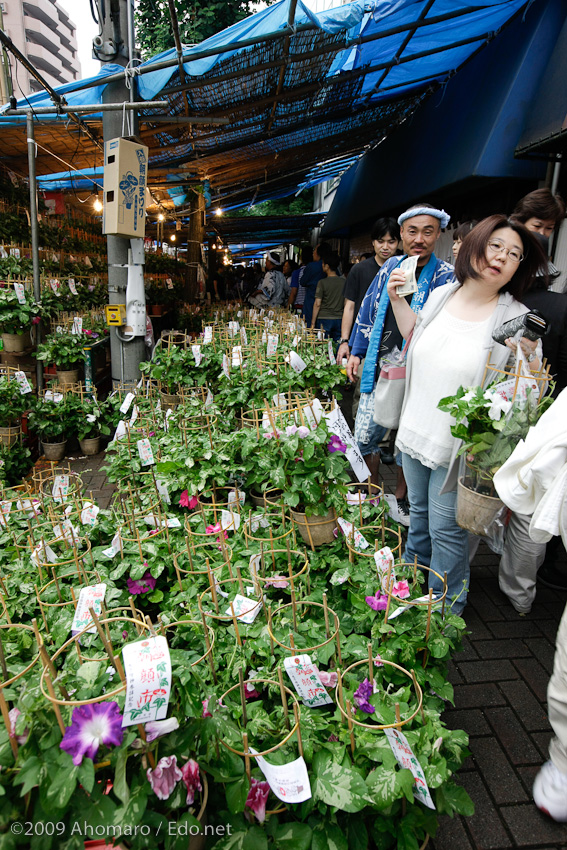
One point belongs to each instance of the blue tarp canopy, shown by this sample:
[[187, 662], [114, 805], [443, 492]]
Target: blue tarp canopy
[[297, 88]]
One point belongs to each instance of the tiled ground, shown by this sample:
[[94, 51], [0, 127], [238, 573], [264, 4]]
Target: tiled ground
[[500, 684]]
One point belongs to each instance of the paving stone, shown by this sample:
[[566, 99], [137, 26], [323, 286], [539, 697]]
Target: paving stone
[[503, 648], [471, 720], [544, 651], [528, 774], [478, 696], [468, 652], [549, 629], [541, 740], [475, 625], [485, 826], [514, 739], [535, 675], [485, 607], [531, 828], [532, 712], [451, 834], [488, 671], [454, 674], [523, 628], [497, 771]]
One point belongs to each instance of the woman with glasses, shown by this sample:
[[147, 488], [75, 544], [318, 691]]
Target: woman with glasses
[[450, 344]]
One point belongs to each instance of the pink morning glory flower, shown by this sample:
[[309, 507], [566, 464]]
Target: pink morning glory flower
[[378, 602], [36, 320], [192, 780], [336, 445], [302, 431], [186, 502], [291, 430], [362, 695], [257, 798], [401, 589], [157, 728], [330, 680], [250, 691], [91, 726], [164, 777], [142, 585], [13, 714], [279, 582], [206, 712]]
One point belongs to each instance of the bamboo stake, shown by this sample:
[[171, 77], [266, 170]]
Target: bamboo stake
[[238, 640], [246, 756], [283, 698], [429, 609], [326, 613], [242, 696], [370, 664], [350, 725]]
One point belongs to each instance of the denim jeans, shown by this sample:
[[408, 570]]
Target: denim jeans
[[434, 536], [332, 328]]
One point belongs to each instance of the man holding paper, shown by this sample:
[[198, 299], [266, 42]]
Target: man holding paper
[[375, 332]]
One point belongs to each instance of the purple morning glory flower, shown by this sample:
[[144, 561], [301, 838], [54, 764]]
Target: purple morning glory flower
[[142, 585], [378, 602], [302, 432], [257, 798], [336, 445], [362, 695], [192, 780], [164, 777], [91, 726]]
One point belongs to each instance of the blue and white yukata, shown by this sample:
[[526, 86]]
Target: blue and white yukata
[[366, 339]]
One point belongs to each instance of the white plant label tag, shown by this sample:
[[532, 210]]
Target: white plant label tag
[[72, 286], [145, 452], [406, 759], [225, 366], [120, 430], [196, 349], [235, 495], [169, 283], [255, 561], [125, 406], [348, 529], [89, 597], [23, 383], [295, 341], [147, 666], [306, 681], [312, 413], [114, 547], [339, 426], [296, 362], [332, 358], [49, 395], [15, 252], [245, 609], [66, 530], [436, 606], [230, 521], [46, 552], [289, 782], [384, 559], [272, 345], [163, 492], [209, 400], [55, 285], [20, 292], [208, 337], [134, 415], [89, 514], [280, 401], [5, 508], [237, 355], [60, 489], [77, 328], [243, 336], [258, 521]]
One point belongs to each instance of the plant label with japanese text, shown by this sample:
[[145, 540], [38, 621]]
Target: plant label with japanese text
[[296, 362], [89, 597], [77, 328], [125, 406], [352, 533], [332, 358], [339, 426], [272, 345], [406, 759], [147, 666], [306, 681], [23, 383], [230, 520], [20, 292], [60, 489], [245, 609], [89, 514], [145, 452], [114, 547], [208, 337], [289, 782], [225, 366], [72, 287], [196, 349]]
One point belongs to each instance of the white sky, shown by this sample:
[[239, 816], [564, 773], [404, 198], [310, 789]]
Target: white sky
[[80, 13]]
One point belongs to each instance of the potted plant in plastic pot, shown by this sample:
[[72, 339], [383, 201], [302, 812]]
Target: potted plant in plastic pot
[[12, 405], [490, 425], [54, 423], [91, 426], [16, 319], [66, 350]]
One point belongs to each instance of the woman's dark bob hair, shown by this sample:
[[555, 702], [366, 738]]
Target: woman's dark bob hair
[[473, 253]]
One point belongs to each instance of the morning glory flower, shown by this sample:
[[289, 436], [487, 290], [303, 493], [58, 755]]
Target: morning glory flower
[[257, 798], [192, 780], [401, 589], [142, 585], [336, 445], [91, 418], [157, 728], [330, 680], [164, 777], [186, 502], [91, 726], [378, 602], [303, 432], [497, 405], [291, 430], [362, 695]]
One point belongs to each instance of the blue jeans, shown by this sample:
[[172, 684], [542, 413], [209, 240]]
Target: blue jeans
[[434, 536], [332, 328]]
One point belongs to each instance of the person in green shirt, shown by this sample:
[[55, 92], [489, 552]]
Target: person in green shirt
[[329, 301]]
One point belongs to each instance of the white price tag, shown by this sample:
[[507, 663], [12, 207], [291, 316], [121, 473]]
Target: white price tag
[[20, 292], [272, 345], [56, 398], [196, 349], [147, 666], [145, 452], [235, 495], [406, 759], [125, 406], [237, 356], [77, 328], [225, 367], [55, 285], [312, 413], [89, 514], [169, 283], [60, 489], [355, 498], [208, 337], [230, 520], [339, 426], [289, 782], [89, 597], [23, 383], [72, 286], [306, 681], [5, 508], [296, 362], [246, 609], [114, 547], [350, 531], [134, 414]]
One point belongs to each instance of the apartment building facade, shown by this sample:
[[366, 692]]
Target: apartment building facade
[[43, 32]]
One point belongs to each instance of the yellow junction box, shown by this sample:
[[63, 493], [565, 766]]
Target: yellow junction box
[[115, 314], [125, 180]]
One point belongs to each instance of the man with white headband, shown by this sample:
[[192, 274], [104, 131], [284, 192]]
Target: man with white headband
[[375, 331]]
